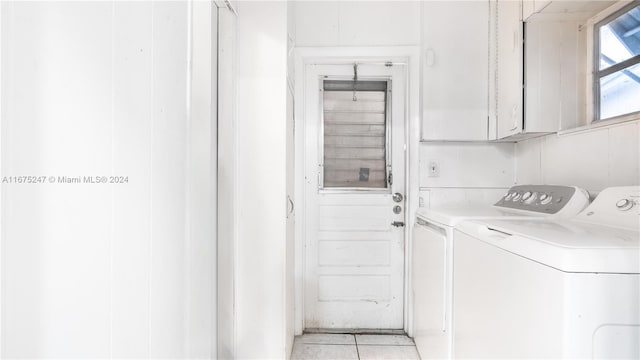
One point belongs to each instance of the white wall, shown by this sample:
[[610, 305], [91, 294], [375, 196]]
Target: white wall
[[201, 209], [468, 172], [592, 159], [261, 325], [96, 270], [227, 218], [290, 308], [357, 23]]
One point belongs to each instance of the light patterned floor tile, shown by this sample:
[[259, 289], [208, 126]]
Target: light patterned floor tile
[[384, 352], [384, 340], [323, 352], [336, 339]]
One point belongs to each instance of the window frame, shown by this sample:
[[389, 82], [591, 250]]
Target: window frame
[[599, 74], [388, 128]]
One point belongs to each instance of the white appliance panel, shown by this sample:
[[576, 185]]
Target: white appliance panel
[[432, 310], [508, 306], [486, 316], [556, 288], [433, 255]]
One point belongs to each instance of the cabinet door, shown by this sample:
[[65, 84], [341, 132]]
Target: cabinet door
[[456, 44], [509, 44], [552, 87]]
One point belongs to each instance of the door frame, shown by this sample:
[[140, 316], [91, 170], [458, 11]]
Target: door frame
[[410, 55]]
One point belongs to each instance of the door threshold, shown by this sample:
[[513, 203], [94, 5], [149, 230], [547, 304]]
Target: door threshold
[[355, 331]]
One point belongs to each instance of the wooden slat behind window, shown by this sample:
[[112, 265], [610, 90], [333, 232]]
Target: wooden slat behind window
[[354, 139]]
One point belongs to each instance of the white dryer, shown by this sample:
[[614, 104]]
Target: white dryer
[[551, 289], [433, 253]]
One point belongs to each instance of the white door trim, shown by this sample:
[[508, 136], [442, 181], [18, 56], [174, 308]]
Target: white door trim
[[348, 55]]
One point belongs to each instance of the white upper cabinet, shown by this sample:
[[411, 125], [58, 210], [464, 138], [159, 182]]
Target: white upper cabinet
[[535, 71], [489, 75], [456, 61], [553, 80], [505, 112]]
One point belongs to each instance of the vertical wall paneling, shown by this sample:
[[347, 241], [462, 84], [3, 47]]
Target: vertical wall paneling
[[132, 155], [56, 303], [201, 182], [261, 236], [289, 305], [168, 178], [227, 184], [2, 189], [106, 270]]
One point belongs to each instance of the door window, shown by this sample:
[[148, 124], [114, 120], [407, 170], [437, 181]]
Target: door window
[[355, 134]]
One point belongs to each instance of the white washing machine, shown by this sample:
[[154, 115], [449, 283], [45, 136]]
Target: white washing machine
[[551, 289], [433, 254]]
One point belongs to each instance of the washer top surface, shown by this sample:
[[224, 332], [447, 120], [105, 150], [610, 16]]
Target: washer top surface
[[604, 238], [570, 246], [453, 215]]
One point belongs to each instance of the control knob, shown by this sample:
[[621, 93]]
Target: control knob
[[531, 198], [624, 204], [545, 199], [517, 197]]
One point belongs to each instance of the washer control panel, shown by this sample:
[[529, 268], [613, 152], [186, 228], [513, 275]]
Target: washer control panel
[[625, 204], [615, 206], [546, 199]]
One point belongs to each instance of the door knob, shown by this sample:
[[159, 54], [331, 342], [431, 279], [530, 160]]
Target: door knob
[[397, 197], [398, 223]]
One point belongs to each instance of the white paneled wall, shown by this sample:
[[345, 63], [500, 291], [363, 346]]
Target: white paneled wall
[[201, 208], [132, 123], [227, 183], [290, 307], [468, 172], [592, 159], [437, 197], [357, 23], [261, 247], [106, 270]]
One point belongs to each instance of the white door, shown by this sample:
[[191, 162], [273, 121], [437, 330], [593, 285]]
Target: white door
[[354, 164]]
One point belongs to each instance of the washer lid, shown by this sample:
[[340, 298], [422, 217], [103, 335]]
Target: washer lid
[[570, 246], [451, 216]]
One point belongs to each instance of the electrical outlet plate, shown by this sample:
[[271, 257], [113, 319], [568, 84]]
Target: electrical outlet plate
[[434, 169]]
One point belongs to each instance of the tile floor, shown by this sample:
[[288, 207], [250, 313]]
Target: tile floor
[[348, 346]]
